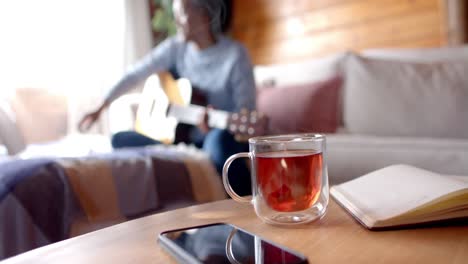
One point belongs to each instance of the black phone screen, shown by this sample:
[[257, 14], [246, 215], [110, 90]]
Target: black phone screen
[[225, 243]]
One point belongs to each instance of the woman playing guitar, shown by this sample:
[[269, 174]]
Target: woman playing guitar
[[217, 65]]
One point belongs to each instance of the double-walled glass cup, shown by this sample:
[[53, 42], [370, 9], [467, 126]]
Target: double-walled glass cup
[[289, 178]]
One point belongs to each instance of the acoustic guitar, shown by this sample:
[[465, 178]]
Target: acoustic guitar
[[167, 103]]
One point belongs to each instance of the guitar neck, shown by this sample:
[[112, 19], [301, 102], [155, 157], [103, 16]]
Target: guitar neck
[[193, 114]]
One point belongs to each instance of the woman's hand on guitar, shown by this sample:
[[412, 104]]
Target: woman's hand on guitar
[[203, 125]]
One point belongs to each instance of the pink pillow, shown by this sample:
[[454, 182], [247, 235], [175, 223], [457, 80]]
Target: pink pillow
[[311, 107]]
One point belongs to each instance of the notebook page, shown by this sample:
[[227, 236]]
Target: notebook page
[[396, 189]]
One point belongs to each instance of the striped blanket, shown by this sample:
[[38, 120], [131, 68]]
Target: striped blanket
[[47, 200]]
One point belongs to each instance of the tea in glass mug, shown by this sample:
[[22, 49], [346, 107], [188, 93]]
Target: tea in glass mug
[[289, 178]]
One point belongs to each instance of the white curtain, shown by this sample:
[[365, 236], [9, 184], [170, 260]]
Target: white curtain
[[138, 36], [138, 42], [78, 48]]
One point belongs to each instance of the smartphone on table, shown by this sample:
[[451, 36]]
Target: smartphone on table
[[224, 243]]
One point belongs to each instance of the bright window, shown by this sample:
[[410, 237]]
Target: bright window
[[74, 46]]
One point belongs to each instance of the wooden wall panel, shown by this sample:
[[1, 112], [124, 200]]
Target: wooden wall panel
[[277, 31]]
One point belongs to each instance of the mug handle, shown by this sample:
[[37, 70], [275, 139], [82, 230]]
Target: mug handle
[[226, 184], [228, 248]]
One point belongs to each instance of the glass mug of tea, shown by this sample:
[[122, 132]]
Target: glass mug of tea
[[289, 178]]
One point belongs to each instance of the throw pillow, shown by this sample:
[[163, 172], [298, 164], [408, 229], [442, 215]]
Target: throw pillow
[[301, 72], [396, 98], [10, 135], [312, 107], [41, 115]]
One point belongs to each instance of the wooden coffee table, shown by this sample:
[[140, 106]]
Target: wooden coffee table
[[336, 238]]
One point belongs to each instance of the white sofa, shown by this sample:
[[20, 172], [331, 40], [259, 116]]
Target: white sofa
[[371, 133], [396, 106]]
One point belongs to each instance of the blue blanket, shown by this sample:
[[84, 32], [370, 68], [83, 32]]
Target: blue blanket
[[44, 200], [40, 186], [14, 171]]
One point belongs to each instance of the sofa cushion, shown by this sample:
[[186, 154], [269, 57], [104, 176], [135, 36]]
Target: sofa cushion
[[395, 98], [420, 55], [311, 107], [301, 72], [350, 156]]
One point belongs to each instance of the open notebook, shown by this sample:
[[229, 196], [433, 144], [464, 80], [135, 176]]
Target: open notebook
[[402, 195]]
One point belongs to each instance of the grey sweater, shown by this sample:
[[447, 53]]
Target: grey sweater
[[223, 72]]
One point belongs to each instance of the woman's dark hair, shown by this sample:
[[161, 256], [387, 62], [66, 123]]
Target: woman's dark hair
[[219, 12]]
